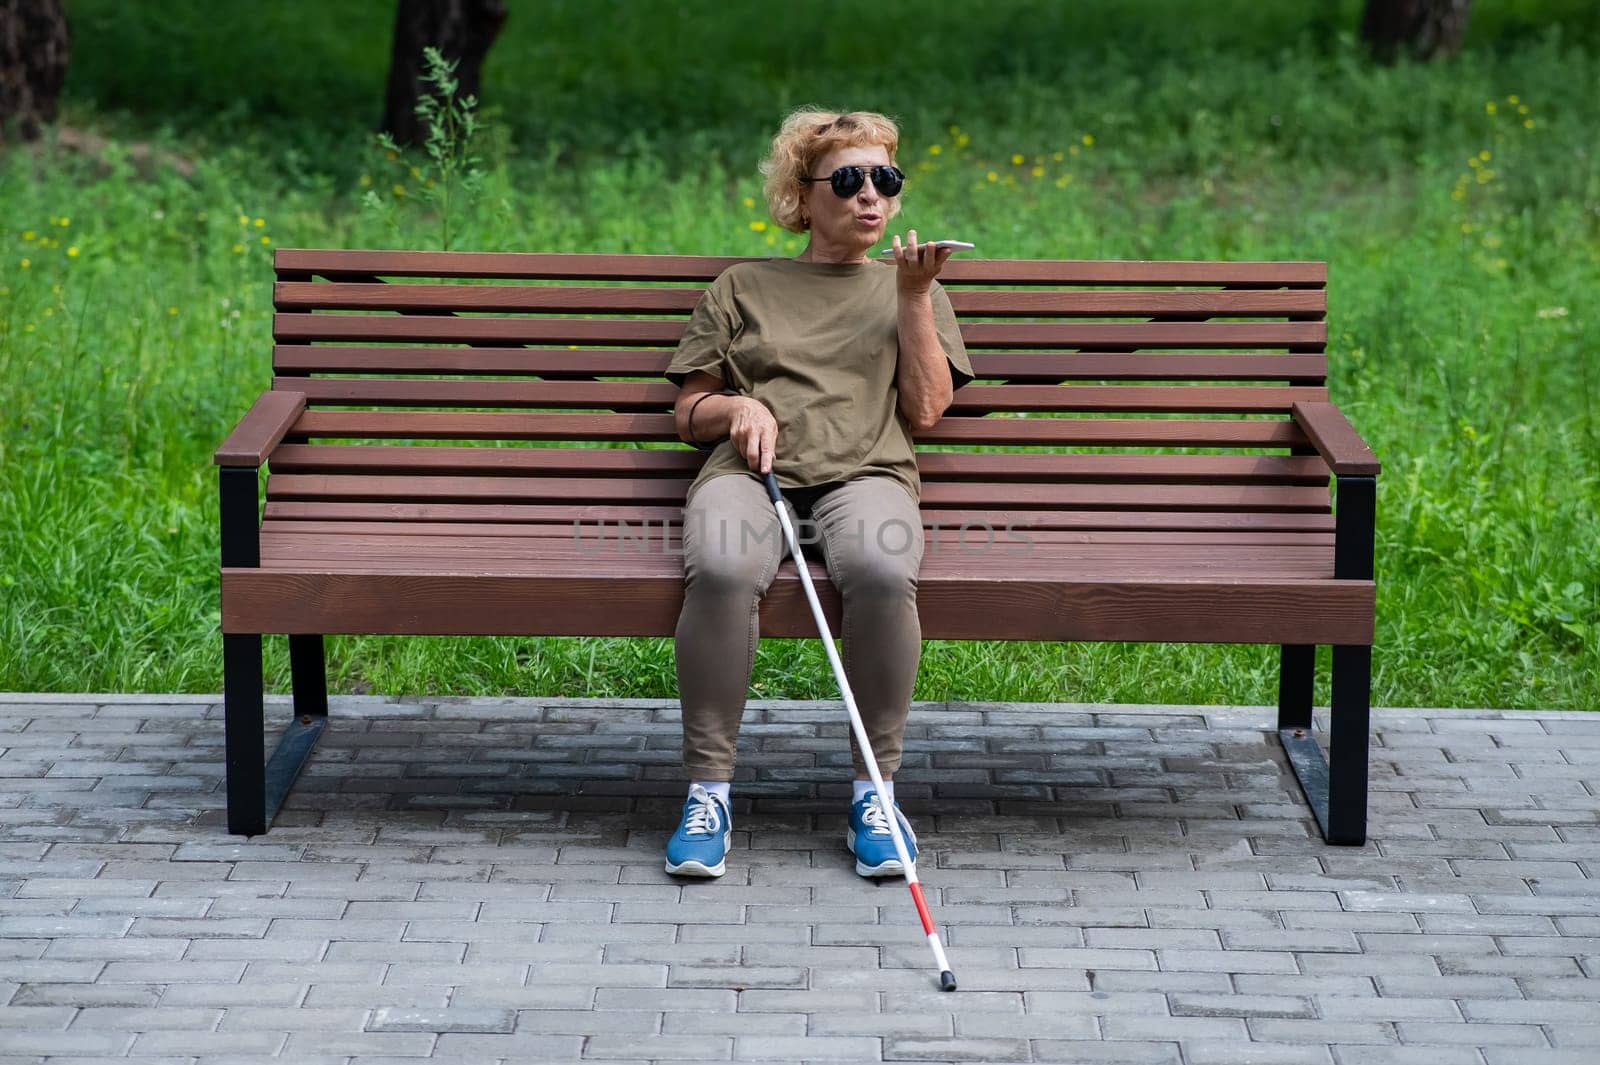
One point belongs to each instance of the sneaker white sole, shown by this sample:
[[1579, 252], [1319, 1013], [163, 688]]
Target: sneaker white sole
[[889, 867], [694, 868]]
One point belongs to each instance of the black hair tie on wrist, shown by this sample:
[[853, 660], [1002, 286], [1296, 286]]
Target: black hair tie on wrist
[[693, 439]]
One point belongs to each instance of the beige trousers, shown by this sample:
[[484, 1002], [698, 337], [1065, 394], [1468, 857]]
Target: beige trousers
[[868, 533]]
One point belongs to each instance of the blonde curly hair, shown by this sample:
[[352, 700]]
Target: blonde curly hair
[[806, 136]]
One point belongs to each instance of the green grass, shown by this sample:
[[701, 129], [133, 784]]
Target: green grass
[[1462, 329]]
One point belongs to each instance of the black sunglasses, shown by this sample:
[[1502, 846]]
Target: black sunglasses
[[847, 180]]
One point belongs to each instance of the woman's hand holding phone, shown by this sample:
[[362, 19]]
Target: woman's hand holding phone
[[919, 264]]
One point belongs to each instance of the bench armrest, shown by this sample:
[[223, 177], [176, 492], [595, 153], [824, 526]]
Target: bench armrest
[[1336, 440], [258, 432]]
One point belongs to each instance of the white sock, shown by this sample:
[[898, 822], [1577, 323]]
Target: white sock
[[719, 788], [861, 787]]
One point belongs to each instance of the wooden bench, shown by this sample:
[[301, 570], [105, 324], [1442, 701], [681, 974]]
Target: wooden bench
[[1175, 483]]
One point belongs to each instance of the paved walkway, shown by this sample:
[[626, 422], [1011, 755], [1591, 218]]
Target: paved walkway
[[480, 880]]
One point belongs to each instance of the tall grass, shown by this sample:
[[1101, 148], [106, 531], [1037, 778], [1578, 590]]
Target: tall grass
[[1462, 324]]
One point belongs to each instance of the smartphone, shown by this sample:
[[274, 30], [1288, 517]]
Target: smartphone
[[955, 245]]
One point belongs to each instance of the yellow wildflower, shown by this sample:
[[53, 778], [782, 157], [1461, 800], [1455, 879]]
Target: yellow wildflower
[[25, 263], [244, 220], [1484, 155], [749, 201], [1038, 171], [28, 328], [27, 234], [934, 149], [772, 238], [65, 221], [72, 253], [172, 312], [992, 176], [1522, 110], [1058, 157], [963, 140], [1489, 107], [1088, 140], [955, 130], [415, 172], [758, 225], [1061, 182], [1016, 160], [1527, 123], [260, 222], [399, 190], [366, 180], [1513, 99], [1473, 161], [266, 240], [1072, 149], [238, 249], [1458, 194]]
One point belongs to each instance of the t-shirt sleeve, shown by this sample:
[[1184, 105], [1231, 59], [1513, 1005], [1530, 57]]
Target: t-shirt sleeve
[[955, 350], [705, 341]]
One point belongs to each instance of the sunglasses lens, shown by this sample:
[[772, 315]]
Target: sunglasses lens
[[847, 180]]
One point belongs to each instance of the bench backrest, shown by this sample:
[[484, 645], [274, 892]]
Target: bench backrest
[[1160, 391]]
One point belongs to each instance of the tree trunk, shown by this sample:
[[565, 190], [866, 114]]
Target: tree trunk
[[1422, 28], [461, 29], [34, 44]]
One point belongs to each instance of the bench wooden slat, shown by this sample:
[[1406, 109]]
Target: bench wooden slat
[[1002, 552], [981, 303], [564, 515], [668, 490], [396, 460], [950, 606], [337, 263], [952, 429], [657, 333], [643, 395], [546, 362], [672, 528]]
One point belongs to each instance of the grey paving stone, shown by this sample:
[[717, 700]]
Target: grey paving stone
[[1083, 1052], [956, 1048], [461, 1019]]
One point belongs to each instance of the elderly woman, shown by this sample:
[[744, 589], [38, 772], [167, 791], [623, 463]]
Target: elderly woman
[[818, 369]]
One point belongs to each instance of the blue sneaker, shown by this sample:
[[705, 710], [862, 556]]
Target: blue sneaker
[[869, 839], [701, 842]]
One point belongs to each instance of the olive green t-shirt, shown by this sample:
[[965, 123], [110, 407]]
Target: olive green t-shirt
[[818, 343]]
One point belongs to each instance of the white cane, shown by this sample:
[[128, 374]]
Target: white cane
[[947, 979]]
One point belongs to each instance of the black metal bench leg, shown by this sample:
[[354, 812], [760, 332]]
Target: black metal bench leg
[[1335, 787], [255, 790], [1297, 675], [243, 720], [309, 672], [1351, 726]]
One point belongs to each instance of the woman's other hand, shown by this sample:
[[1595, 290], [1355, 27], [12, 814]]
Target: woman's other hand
[[918, 264], [754, 432]]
